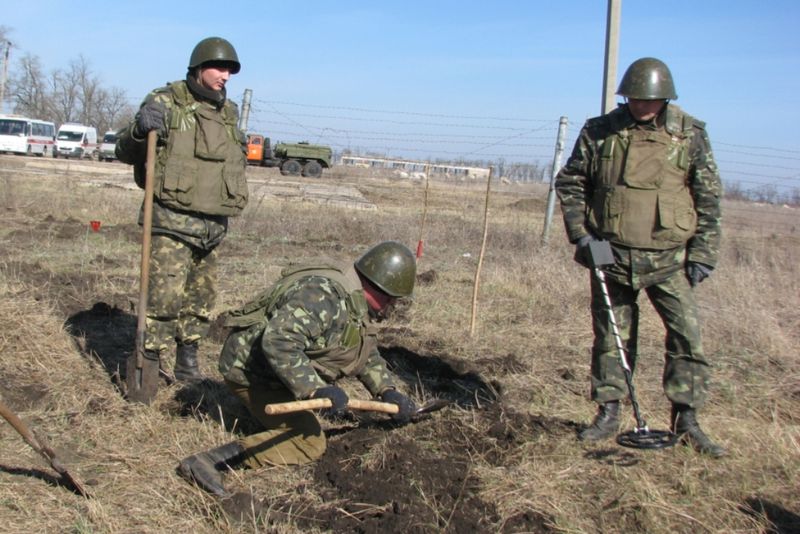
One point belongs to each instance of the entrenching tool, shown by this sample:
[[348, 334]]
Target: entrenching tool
[[142, 372], [641, 437], [39, 445], [433, 405]]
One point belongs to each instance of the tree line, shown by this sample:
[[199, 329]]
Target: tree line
[[71, 94]]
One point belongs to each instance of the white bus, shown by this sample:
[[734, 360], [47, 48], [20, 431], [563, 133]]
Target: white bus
[[26, 136]]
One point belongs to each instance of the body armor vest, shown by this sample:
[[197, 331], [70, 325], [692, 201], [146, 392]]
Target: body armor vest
[[202, 166], [641, 198], [358, 340]]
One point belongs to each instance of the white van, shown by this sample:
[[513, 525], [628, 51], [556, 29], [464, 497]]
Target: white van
[[108, 146], [76, 141]]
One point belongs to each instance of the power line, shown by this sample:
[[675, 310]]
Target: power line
[[786, 150], [415, 135], [408, 113]]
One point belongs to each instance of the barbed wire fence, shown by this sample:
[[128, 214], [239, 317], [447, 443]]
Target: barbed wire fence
[[762, 182]]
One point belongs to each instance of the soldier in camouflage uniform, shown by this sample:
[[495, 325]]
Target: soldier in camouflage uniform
[[294, 341], [199, 182], [643, 177]]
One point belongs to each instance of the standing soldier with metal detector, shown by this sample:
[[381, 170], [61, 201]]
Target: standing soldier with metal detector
[[199, 181], [643, 177]]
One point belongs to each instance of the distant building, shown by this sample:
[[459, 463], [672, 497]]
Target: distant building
[[411, 167]]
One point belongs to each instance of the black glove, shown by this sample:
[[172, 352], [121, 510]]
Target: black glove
[[150, 117], [697, 272], [337, 397], [582, 253], [406, 405]]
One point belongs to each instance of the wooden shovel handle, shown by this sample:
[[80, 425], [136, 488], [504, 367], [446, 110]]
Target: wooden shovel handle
[[147, 230], [373, 406], [39, 445], [315, 404]]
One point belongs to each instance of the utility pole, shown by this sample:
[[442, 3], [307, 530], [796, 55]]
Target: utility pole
[[551, 194], [612, 51], [4, 77], [248, 95]]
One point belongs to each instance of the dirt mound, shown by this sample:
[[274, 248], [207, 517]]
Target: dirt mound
[[417, 479], [410, 490]]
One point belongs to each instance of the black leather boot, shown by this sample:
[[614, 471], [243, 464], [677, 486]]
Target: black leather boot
[[685, 425], [186, 369], [605, 424], [205, 468]]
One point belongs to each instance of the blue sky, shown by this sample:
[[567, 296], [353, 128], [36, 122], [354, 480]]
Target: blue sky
[[451, 78]]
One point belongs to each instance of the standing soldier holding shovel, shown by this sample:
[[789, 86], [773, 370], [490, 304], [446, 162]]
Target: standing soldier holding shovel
[[643, 177], [198, 182]]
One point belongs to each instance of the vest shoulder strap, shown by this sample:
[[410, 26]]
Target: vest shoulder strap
[[255, 311], [180, 92]]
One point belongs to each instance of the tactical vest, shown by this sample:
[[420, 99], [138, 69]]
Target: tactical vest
[[641, 198], [202, 166], [358, 340]]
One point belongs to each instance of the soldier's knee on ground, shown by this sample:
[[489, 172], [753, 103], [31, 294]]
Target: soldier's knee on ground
[[270, 448]]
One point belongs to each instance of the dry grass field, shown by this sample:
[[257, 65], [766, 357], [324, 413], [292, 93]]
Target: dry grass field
[[502, 458]]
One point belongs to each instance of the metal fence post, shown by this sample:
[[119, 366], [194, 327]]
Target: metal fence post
[[551, 195], [245, 117]]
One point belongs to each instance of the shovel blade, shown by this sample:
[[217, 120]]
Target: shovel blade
[[433, 405], [69, 480], [141, 379]]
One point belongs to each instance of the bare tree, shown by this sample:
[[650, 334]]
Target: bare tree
[[28, 89], [72, 95], [113, 109], [64, 102], [88, 85], [5, 45]]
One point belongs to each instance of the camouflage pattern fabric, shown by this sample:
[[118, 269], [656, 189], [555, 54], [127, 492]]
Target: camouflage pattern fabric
[[181, 293], [661, 273], [196, 229], [308, 318], [686, 376], [288, 439], [578, 182]]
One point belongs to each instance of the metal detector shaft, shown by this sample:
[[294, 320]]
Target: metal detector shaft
[[623, 359]]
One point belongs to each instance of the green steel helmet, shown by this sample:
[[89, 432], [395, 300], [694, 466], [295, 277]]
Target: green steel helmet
[[215, 49], [647, 78], [391, 267]]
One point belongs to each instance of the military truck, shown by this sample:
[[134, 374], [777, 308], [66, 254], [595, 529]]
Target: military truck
[[292, 158]]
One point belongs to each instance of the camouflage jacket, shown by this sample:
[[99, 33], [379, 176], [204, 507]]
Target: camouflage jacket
[[194, 192], [308, 320], [579, 182]]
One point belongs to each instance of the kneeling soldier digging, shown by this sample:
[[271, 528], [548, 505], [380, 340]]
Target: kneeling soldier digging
[[293, 341]]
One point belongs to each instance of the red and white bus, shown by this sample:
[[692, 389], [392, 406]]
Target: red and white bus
[[22, 135]]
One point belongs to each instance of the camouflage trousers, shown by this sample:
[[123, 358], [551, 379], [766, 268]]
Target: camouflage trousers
[[685, 374], [181, 293], [288, 439]]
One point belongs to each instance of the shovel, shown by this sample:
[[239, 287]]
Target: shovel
[[641, 437], [433, 405], [141, 377], [39, 445]]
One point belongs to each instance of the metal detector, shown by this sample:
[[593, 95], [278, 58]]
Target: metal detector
[[641, 437]]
